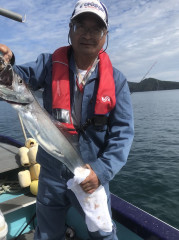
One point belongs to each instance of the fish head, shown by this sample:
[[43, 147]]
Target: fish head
[[12, 87]]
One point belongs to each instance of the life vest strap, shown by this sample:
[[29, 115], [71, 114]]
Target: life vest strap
[[97, 121]]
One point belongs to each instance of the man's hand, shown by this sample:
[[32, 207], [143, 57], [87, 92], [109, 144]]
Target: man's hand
[[91, 183], [7, 53]]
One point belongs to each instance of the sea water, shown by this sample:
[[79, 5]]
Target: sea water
[[150, 179]]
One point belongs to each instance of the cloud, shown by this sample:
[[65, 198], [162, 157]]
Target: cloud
[[45, 29], [141, 32]]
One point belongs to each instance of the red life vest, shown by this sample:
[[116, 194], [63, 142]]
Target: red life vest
[[105, 99]]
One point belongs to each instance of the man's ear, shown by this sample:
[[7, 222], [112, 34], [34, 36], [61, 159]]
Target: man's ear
[[70, 25], [70, 28], [69, 36]]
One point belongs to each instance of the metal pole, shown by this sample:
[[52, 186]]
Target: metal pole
[[11, 15]]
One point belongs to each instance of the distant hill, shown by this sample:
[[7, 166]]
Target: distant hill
[[152, 84]]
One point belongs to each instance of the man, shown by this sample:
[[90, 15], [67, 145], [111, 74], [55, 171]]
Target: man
[[83, 91]]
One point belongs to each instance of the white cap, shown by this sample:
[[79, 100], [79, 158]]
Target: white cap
[[91, 6]]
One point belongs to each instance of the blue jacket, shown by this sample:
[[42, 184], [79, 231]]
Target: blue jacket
[[105, 148]]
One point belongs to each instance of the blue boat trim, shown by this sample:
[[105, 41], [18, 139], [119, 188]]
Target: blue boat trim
[[11, 141], [140, 222]]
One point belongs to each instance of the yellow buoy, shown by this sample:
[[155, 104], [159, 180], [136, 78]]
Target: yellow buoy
[[34, 187], [30, 142], [23, 153], [32, 153], [35, 171], [24, 178]]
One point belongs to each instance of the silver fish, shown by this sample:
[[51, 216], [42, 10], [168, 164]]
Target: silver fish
[[51, 138]]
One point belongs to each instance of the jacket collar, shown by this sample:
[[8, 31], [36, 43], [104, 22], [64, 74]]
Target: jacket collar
[[72, 67]]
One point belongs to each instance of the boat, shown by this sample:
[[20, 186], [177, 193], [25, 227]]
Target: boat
[[18, 208]]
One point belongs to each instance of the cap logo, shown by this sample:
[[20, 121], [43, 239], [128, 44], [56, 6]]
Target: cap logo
[[92, 5]]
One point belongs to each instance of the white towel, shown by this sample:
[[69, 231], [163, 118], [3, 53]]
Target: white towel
[[94, 205]]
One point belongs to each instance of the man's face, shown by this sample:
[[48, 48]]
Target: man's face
[[87, 35]]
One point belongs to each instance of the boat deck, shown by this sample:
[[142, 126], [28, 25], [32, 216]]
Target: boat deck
[[27, 236], [30, 236], [9, 156]]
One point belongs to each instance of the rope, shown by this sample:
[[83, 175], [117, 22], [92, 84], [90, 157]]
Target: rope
[[22, 126], [10, 186]]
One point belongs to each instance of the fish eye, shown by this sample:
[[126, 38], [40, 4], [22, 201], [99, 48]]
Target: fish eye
[[20, 80]]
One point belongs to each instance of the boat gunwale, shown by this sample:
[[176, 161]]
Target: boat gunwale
[[140, 222], [11, 141]]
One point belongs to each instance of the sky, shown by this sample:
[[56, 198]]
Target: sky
[[143, 34]]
